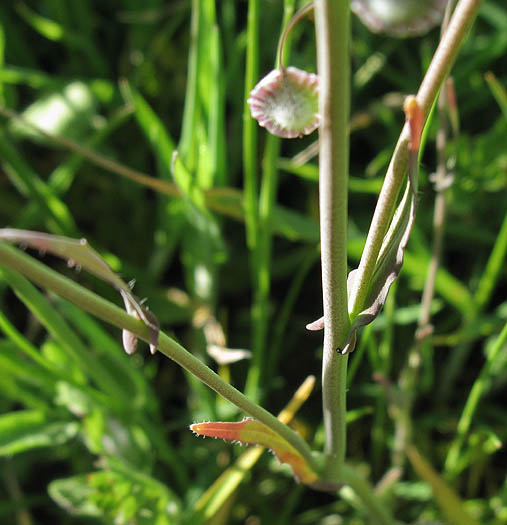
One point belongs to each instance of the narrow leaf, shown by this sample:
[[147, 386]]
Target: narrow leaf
[[28, 429], [390, 258], [450, 503], [253, 432], [79, 253]]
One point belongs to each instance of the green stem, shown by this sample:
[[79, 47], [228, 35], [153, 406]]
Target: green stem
[[250, 133], [410, 373], [377, 510], [262, 252], [332, 29], [481, 385], [260, 311], [87, 300], [440, 66]]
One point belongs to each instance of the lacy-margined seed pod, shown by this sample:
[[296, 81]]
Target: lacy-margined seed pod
[[399, 18], [286, 102]]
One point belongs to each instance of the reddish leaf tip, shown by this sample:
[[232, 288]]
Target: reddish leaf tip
[[415, 118]]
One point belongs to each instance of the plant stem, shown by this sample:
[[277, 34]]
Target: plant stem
[[250, 133], [376, 509], [262, 251], [96, 305], [441, 64], [408, 377], [260, 310], [332, 29], [481, 385]]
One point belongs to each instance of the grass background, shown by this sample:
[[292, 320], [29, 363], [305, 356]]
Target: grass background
[[134, 81]]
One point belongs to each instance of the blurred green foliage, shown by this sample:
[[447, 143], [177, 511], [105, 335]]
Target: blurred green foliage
[[89, 435]]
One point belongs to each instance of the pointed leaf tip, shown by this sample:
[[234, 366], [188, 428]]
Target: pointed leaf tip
[[253, 432], [78, 253], [415, 119]]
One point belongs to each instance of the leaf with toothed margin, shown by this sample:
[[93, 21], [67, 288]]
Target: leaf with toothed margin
[[80, 254], [390, 258], [253, 432]]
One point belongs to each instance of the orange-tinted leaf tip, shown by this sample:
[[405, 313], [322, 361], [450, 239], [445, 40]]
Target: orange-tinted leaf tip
[[415, 118], [218, 429]]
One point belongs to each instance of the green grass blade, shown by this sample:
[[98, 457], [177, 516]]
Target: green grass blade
[[493, 269], [449, 502], [250, 131], [28, 429], [479, 388], [65, 336], [56, 214], [498, 91]]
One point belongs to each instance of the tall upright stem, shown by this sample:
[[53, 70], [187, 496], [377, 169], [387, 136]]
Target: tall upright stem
[[332, 28]]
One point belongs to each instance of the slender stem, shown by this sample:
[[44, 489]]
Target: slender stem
[[377, 510], [481, 385], [260, 310], [96, 305], [250, 133], [441, 64], [291, 23], [263, 249], [332, 29], [409, 375]]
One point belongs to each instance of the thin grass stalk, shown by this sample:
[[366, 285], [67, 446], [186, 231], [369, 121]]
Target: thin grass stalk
[[479, 388], [250, 132], [262, 256], [410, 373], [261, 307]]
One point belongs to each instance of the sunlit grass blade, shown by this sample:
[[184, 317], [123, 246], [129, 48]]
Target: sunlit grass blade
[[448, 501], [498, 91], [250, 131], [479, 388], [66, 337], [64, 174], [493, 269], [27, 429], [22, 380]]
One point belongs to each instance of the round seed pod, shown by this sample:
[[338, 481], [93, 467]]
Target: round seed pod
[[399, 18], [286, 102]]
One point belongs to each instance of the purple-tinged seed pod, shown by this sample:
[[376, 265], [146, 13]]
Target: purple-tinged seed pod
[[286, 102], [399, 18]]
